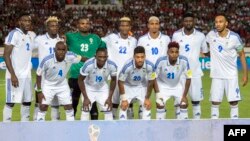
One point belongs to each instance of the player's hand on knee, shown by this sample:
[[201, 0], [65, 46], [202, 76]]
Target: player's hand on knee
[[41, 97], [108, 103], [14, 81], [184, 102], [124, 105], [86, 104], [147, 104]]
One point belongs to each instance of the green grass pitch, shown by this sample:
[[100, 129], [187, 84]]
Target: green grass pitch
[[244, 105]]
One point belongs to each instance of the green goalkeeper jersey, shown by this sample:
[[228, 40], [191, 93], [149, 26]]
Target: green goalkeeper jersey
[[84, 46]]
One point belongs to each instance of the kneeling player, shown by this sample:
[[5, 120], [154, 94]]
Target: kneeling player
[[93, 82], [54, 69], [135, 83], [169, 70]]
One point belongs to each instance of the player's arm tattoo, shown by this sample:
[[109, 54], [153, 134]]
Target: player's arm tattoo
[[82, 86], [149, 88], [112, 86]]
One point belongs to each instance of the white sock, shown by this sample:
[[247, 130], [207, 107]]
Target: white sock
[[41, 115], [85, 115], [196, 111], [183, 113], [234, 113], [114, 113], [140, 112], [69, 115], [146, 114], [7, 113], [108, 115], [123, 115], [177, 112], [160, 114], [55, 115], [25, 113], [36, 111], [130, 113], [215, 111]]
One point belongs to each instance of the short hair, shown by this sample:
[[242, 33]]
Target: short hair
[[22, 14], [101, 50], [139, 49], [221, 14], [125, 19], [153, 18], [51, 19], [188, 14], [61, 43], [83, 18], [173, 45]]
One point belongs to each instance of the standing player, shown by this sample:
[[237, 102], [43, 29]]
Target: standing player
[[120, 47], [46, 44], [135, 82], [169, 70], [93, 82], [53, 70], [192, 42], [224, 46], [84, 44], [154, 42], [17, 55]]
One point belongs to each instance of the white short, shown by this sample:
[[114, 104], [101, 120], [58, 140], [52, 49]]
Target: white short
[[135, 93], [21, 94], [195, 90], [100, 96], [54, 102], [116, 95], [62, 93], [230, 86], [166, 93]]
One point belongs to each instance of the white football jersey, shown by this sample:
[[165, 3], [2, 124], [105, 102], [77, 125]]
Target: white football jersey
[[154, 47], [133, 76], [119, 49], [97, 78], [45, 45], [169, 75], [21, 53], [191, 46], [223, 53], [54, 73]]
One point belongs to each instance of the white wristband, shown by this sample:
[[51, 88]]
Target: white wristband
[[123, 97]]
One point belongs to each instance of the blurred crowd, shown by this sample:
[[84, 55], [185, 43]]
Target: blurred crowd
[[105, 18]]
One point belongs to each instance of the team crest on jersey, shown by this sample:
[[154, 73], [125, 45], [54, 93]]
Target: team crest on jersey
[[91, 40], [181, 41], [214, 40], [148, 45], [46, 43], [116, 42], [165, 69]]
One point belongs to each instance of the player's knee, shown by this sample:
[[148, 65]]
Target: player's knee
[[195, 102], [183, 106], [26, 103], [233, 103], [56, 107], [160, 103], [215, 103], [43, 107], [67, 107], [10, 104]]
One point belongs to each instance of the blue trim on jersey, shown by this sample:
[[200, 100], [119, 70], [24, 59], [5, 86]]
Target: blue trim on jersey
[[150, 63], [112, 63], [8, 91], [126, 66], [159, 60], [90, 62], [46, 59], [71, 53], [237, 35], [11, 34], [184, 58]]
